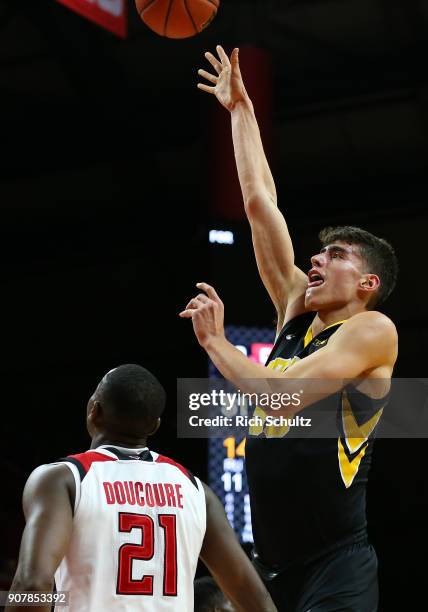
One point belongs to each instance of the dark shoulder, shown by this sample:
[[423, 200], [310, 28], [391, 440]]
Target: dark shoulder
[[47, 483], [209, 494], [212, 502]]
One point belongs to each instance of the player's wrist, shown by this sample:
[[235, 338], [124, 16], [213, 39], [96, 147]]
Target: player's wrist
[[214, 342], [242, 104]]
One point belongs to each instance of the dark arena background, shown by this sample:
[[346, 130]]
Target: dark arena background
[[115, 170]]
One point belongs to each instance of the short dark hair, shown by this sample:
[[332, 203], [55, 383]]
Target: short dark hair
[[378, 255], [132, 398], [208, 595]]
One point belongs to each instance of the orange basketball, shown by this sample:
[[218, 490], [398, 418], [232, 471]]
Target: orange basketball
[[177, 18]]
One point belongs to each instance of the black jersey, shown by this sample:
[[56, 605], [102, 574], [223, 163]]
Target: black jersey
[[308, 495]]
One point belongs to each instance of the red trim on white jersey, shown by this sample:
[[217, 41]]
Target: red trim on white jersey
[[90, 457], [138, 529], [163, 459]]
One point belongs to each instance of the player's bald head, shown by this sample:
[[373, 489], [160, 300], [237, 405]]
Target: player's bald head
[[131, 399]]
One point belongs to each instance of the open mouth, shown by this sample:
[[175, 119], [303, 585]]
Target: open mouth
[[315, 279]]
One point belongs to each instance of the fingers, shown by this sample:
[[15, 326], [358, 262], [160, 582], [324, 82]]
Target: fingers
[[210, 77], [234, 59], [186, 314], [190, 305], [214, 62], [206, 88], [222, 55], [210, 291], [193, 306], [198, 301]]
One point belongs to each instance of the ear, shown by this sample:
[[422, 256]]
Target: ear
[[155, 428], [95, 412], [369, 283]]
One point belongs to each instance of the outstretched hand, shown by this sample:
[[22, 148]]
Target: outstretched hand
[[207, 313], [228, 86]]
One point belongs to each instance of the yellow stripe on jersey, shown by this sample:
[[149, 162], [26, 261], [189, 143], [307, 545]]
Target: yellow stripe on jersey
[[272, 431], [349, 466], [308, 337], [309, 334], [356, 435], [280, 364]]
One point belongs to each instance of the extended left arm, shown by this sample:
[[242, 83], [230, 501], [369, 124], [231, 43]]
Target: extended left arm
[[49, 521], [365, 342]]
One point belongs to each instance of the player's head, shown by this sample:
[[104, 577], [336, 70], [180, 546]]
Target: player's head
[[209, 597], [128, 402], [353, 267]]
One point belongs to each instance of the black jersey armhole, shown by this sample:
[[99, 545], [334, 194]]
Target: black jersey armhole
[[76, 462], [192, 479], [299, 322]]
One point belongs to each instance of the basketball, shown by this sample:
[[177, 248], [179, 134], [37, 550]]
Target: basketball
[[177, 18]]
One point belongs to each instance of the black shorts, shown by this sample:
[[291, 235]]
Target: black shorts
[[343, 581]]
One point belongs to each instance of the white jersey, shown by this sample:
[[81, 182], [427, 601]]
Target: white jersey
[[138, 527]]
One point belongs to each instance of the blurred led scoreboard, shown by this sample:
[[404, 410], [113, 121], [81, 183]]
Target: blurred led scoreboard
[[226, 456]]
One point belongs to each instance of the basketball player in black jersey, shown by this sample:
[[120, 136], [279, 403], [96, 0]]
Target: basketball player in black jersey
[[307, 495], [122, 413]]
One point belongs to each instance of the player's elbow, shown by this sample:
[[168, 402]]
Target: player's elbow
[[256, 202], [32, 581], [253, 598]]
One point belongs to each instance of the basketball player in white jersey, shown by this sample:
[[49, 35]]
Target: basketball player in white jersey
[[121, 527]]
